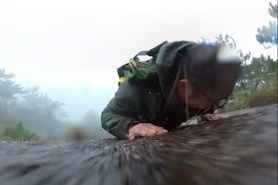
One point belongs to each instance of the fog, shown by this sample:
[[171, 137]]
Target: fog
[[71, 49]]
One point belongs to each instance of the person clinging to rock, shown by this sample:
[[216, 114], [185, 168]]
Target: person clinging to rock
[[182, 80]]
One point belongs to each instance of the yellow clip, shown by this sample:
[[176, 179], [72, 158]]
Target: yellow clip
[[121, 80]]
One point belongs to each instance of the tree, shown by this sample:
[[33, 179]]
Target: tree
[[30, 106], [273, 10], [267, 35], [226, 41], [258, 83], [258, 72], [8, 88], [42, 105]]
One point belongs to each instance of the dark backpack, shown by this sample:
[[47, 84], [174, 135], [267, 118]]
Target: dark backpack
[[136, 70]]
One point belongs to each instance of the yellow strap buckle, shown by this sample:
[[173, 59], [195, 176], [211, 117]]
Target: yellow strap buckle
[[121, 80]]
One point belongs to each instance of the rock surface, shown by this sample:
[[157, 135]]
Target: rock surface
[[239, 149]]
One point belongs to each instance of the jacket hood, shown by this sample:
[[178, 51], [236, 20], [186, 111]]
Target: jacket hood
[[168, 65]]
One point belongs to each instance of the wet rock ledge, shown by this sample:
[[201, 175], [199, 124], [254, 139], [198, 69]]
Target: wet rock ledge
[[238, 149]]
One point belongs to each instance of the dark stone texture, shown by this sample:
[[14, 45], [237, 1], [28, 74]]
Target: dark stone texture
[[239, 149]]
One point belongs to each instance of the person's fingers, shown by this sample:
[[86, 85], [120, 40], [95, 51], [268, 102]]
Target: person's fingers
[[215, 117], [161, 129], [160, 132], [138, 127], [210, 117], [151, 126], [138, 131], [142, 132], [145, 129], [156, 131], [204, 118], [131, 136], [157, 128], [207, 117], [151, 132]]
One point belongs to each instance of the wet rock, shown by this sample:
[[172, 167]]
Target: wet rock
[[238, 149]]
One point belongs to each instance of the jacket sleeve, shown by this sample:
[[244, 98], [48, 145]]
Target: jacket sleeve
[[121, 112]]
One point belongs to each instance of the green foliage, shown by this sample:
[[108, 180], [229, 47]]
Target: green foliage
[[266, 94], [241, 99], [29, 105], [226, 41], [258, 85], [258, 72], [18, 133], [268, 34], [8, 88]]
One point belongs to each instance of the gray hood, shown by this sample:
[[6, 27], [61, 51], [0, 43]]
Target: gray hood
[[168, 64]]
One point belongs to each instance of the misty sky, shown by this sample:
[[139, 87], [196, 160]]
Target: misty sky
[[71, 49]]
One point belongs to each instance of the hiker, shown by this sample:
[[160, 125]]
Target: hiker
[[182, 80]]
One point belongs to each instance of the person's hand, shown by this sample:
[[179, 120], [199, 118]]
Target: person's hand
[[145, 129], [207, 117]]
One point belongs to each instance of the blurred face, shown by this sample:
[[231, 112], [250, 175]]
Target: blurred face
[[196, 99]]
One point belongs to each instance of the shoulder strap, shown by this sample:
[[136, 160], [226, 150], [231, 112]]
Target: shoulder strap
[[133, 62], [152, 52]]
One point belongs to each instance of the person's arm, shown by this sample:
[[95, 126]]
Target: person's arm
[[126, 127], [123, 116], [117, 118]]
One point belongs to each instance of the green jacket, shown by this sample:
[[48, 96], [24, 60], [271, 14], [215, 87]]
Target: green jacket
[[151, 100]]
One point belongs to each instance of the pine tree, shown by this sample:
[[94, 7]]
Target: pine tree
[[267, 35]]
